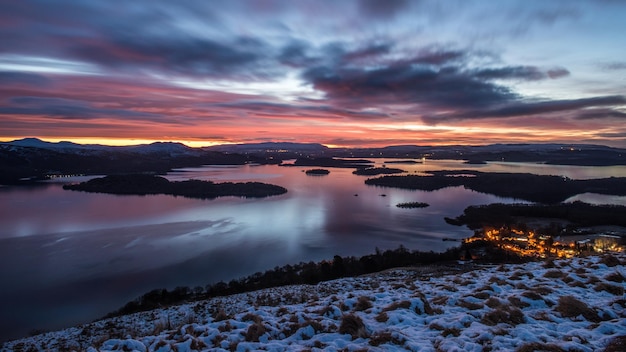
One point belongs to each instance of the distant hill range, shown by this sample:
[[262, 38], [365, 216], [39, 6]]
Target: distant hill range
[[31, 159], [558, 154]]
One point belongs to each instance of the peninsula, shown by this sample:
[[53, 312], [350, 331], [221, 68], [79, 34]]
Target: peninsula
[[529, 187]]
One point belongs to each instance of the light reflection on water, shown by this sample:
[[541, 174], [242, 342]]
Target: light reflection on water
[[68, 257]]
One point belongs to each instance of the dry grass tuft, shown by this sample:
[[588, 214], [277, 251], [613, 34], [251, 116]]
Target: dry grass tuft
[[428, 309], [353, 325], [517, 302], [542, 315], [518, 275], [363, 303], [498, 281], [481, 295], [386, 337], [220, 315], [397, 305], [612, 289], [542, 290], [593, 280], [161, 325], [554, 274], [252, 317], [539, 347], [576, 283], [532, 295], [440, 300], [255, 331], [610, 260], [493, 302], [549, 264], [469, 305], [615, 277], [570, 307], [504, 314], [382, 317], [617, 344]]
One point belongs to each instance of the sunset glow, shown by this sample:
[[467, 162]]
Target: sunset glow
[[347, 74]]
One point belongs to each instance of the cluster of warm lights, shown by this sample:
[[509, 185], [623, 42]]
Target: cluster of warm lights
[[529, 244]]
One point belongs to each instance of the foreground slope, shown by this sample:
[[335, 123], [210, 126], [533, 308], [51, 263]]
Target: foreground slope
[[574, 304]]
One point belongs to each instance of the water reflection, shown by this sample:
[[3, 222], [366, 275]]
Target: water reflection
[[68, 257]]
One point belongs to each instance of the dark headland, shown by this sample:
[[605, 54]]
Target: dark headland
[[530, 187]]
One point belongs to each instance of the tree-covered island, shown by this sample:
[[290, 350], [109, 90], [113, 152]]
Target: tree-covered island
[[142, 184]]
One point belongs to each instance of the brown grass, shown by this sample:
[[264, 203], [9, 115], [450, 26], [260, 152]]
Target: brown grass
[[610, 260], [538, 346], [481, 295], [220, 315], [382, 317], [363, 303], [498, 281], [517, 302], [255, 331], [542, 290], [449, 288], [532, 295], [593, 280], [615, 277], [617, 344], [493, 302], [576, 283], [252, 317], [353, 325], [612, 289], [570, 307], [504, 314], [542, 315], [397, 305], [428, 309], [440, 300], [554, 274], [451, 331], [469, 305], [549, 263], [386, 337]]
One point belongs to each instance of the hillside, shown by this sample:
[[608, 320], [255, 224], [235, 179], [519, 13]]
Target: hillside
[[574, 304]]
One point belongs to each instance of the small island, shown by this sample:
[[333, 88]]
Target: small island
[[373, 171], [407, 162], [411, 205], [143, 184], [331, 162], [317, 172]]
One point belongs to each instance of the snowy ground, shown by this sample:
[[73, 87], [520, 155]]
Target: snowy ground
[[573, 305]]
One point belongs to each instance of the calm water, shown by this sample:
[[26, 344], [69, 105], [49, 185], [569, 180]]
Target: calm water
[[69, 257]]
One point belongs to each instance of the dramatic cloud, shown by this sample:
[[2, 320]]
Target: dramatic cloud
[[71, 109], [539, 108], [23, 78], [337, 72]]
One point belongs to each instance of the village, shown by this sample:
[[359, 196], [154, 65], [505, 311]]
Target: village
[[527, 242]]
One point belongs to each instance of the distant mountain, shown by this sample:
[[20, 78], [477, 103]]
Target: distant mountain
[[31, 159], [38, 143], [270, 147]]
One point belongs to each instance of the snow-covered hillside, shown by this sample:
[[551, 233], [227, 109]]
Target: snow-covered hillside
[[564, 305]]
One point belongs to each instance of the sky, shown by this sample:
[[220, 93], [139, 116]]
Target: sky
[[361, 73]]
